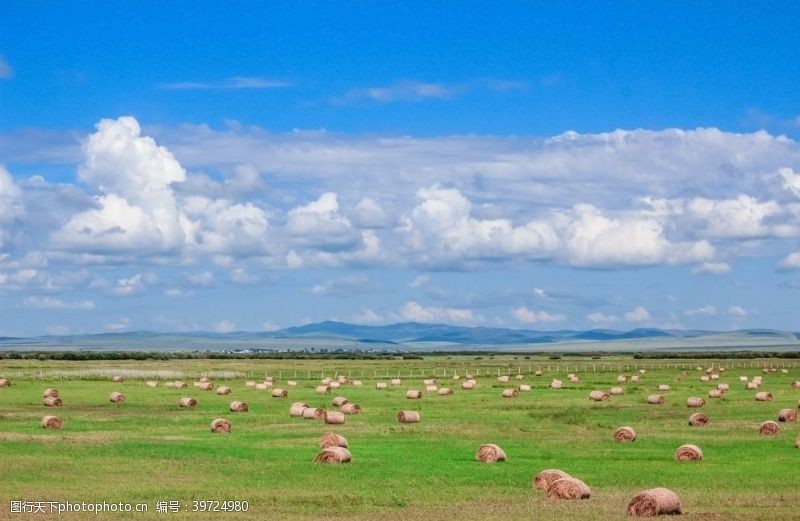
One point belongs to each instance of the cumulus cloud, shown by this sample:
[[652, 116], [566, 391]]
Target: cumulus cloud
[[201, 279], [55, 303], [790, 262], [367, 316], [639, 314], [420, 281], [713, 268], [134, 285], [528, 316], [413, 311], [599, 318], [11, 205], [738, 312]]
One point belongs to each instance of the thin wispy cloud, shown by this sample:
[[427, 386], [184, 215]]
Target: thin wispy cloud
[[233, 83], [416, 91]]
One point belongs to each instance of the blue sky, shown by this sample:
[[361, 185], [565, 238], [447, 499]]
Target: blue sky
[[247, 167]]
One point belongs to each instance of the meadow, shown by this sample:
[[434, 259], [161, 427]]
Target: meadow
[[150, 450]]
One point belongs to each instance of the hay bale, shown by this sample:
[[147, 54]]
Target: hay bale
[[655, 502], [456, 377], [467, 385], [655, 399], [616, 391], [787, 415], [381, 385], [743, 379], [187, 402], [151, 383], [634, 378], [555, 384], [296, 409], [751, 386], [50, 392], [723, 387], [397, 381], [622, 379], [313, 413], [291, 383], [698, 419], [334, 385], [568, 488], [599, 396], [413, 395], [538, 373], [763, 396], [205, 380], [429, 381], [333, 417], [545, 478], [51, 422], [322, 389], [642, 371], [238, 406], [5, 382], [490, 453], [796, 385], [117, 379], [502, 379], [220, 425], [520, 377], [339, 401], [351, 408], [408, 417], [116, 397], [695, 402], [52, 401], [179, 385], [510, 393], [206, 386], [714, 376], [704, 378], [280, 393], [715, 393], [326, 381], [444, 391], [357, 383], [431, 388], [524, 388], [223, 390], [663, 388], [342, 379], [334, 455], [688, 452], [261, 386], [331, 439], [575, 379], [768, 428], [250, 384], [625, 434]]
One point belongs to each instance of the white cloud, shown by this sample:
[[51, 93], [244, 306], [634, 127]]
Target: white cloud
[[528, 316], [224, 326], [177, 293], [741, 218], [713, 268], [738, 312], [415, 312], [791, 179], [346, 286], [202, 279], [369, 213], [320, 224], [134, 285], [420, 281], [601, 318], [401, 91], [11, 205], [55, 303], [233, 83], [707, 310], [639, 314], [270, 326], [367, 316], [790, 262]]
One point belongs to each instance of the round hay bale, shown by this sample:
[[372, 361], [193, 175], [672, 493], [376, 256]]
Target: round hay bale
[[220, 425], [116, 397], [796, 385], [351, 408], [331, 439], [622, 379], [187, 402], [715, 393], [223, 390], [555, 384], [322, 389], [206, 386], [642, 371], [655, 399], [204, 380], [342, 379], [396, 381], [751, 386], [408, 417], [431, 388], [698, 419], [763, 396], [695, 402], [599, 396], [179, 385], [291, 383], [269, 379], [768, 428], [655, 502], [381, 385], [721, 369], [704, 378], [625, 434], [616, 391], [117, 379], [51, 422], [510, 393], [334, 385], [538, 373], [5, 382], [313, 413], [52, 401], [688, 452], [714, 376], [261, 386], [787, 415], [490, 453], [467, 385], [333, 418], [326, 381], [456, 377], [743, 379], [575, 379], [784, 371], [280, 393], [520, 377], [502, 379], [663, 387], [634, 378], [723, 387], [339, 401], [296, 409], [524, 388], [429, 381], [545, 478], [413, 395], [50, 392], [334, 455], [237, 406], [444, 391], [250, 384], [568, 488], [151, 383], [357, 383]]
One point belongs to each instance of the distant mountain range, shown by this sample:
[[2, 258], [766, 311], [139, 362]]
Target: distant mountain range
[[417, 336]]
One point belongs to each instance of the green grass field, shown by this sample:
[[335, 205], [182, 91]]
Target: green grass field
[[149, 450]]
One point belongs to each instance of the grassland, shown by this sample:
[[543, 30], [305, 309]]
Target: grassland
[[149, 450]]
